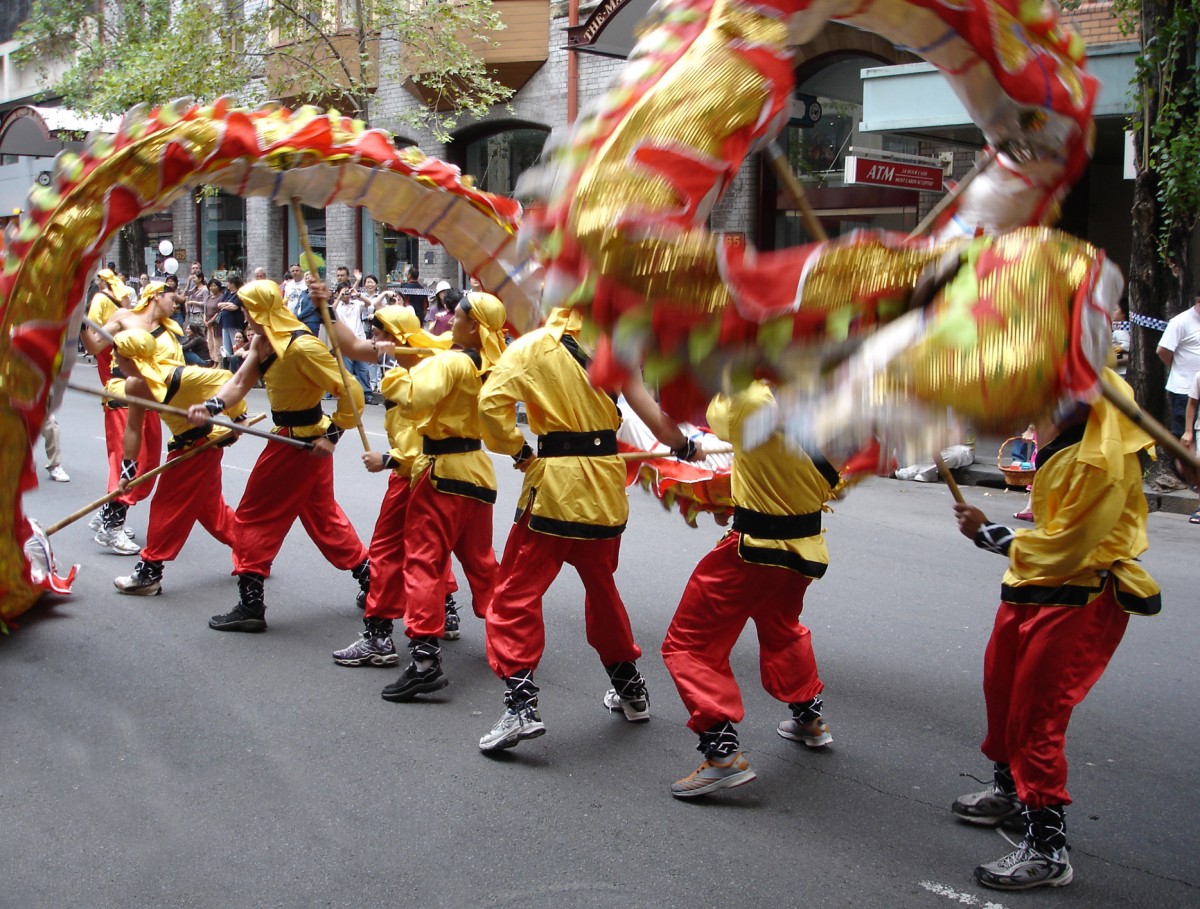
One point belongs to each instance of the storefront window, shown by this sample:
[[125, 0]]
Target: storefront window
[[496, 161], [224, 225]]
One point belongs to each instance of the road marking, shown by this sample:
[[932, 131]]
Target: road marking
[[966, 899]]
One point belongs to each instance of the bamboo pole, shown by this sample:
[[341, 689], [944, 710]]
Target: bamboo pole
[[138, 481], [949, 478], [167, 408], [951, 197], [323, 306], [783, 173], [1155, 429]]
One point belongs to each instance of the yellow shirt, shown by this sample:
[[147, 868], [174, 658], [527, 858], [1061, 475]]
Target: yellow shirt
[[773, 479], [439, 397], [1089, 522], [299, 379], [196, 385], [575, 497]]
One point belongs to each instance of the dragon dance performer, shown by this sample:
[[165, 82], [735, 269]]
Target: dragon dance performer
[[152, 312], [286, 483], [572, 510], [759, 570], [391, 325], [1065, 600], [453, 488], [176, 507]]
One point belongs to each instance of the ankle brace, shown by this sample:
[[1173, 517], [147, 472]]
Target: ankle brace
[[626, 679], [521, 690], [1003, 778], [719, 741], [378, 628], [425, 650], [1046, 827], [362, 574], [112, 515], [805, 712], [148, 570], [250, 592]]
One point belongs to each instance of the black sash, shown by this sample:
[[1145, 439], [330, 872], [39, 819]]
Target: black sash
[[594, 444], [776, 526], [452, 445], [298, 417]]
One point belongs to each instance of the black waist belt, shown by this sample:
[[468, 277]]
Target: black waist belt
[[577, 444], [298, 417], [452, 445], [184, 439], [776, 526]]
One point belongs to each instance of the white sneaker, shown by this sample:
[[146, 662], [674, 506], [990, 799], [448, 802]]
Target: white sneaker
[[117, 541], [58, 475], [515, 725], [94, 523], [635, 709]]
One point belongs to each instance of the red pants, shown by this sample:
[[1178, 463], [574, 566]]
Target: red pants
[[516, 634], [722, 594], [1040, 663], [386, 599], [442, 524], [288, 483], [179, 504], [149, 455]]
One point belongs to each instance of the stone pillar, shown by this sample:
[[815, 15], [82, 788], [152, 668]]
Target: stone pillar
[[264, 237], [184, 234], [340, 237]]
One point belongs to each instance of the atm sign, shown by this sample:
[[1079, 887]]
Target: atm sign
[[892, 173]]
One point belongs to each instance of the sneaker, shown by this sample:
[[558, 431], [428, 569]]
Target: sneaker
[[515, 725], [989, 807], [453, 630], [138, 586], [94, 523], [635, 709], [1027, 868], [58, 475], [713, 775], [239, 619], [415, 681], [117, 541], [368, 650], [814, 733]]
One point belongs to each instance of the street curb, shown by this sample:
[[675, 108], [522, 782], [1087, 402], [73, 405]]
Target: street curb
[[989, 476]]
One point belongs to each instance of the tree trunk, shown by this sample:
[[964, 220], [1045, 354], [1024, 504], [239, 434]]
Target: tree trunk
[[133, 241]]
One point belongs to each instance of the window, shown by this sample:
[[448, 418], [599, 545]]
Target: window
[[496, 161]]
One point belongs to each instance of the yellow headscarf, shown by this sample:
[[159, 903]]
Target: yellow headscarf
[[563, 320], [118, 288], [154, 287], [264, 304], [489, 313], [401, 323], [139, 346], [1109, 435]]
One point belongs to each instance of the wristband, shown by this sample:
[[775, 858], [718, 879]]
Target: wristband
[[390, 463], [128, 468], [995, 538], [523, 455], [214, 406], [686, 451], [333, 433]]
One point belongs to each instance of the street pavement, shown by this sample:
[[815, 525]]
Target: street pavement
[[147, 761]]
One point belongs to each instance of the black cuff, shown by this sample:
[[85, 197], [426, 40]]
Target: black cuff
[[523, 455], [686, 451], [995, 538], [334, 433], [390, 463], [214, 406], [128, 468]]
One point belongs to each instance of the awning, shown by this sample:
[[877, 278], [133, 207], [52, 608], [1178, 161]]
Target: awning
[[609, 28]]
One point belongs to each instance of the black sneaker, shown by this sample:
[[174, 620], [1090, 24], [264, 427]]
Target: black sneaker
[[240, 619], [415, 681]]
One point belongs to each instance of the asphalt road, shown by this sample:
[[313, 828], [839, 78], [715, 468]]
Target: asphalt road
[[148, 761]]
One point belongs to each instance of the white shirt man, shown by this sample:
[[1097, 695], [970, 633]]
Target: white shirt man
[[293, 287], [1179, 350]]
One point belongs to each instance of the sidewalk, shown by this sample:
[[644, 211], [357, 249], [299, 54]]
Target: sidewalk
[[985, 472]]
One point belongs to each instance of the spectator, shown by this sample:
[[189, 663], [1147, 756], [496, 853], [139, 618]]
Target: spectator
[[51, 438], [231, 318], [211, 313], [306, 310], [441, 309], [293, 287], [1120, 341], [195, 345], [348, 308], [260, 274], [1189, 432], [418, 301], [196, 295], [1179, 349]]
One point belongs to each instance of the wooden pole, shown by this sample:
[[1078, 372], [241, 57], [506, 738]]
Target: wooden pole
[[323, 306], [138, 481], [949, 478], [783, 173], [166, 408], [653, 455]]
